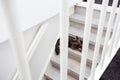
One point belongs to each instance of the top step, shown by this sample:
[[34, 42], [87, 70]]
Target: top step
[[80, 13]]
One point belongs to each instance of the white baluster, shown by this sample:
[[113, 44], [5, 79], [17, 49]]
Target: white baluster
[[64, 25], [109, 29], [87, 30], [115, 28], [17, 39], [33, 47], [98, 38], [117, 37]]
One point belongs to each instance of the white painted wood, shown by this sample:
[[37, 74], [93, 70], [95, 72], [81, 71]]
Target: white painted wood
[[43, 30], [79, 1], [43, 51], [117, 38], [17, 40], [48, 61], [114, 33], [88, 19], [28, 17], [28, 38], [99, 36], [33, 46], [97, 7], [64, 25], [77, 55], [53, 73], [110, 24], [99, 71], [73, 66], [51, 53], [36, 40]]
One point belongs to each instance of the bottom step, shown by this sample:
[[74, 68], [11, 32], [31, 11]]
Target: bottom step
[[53, 73], [73, 67]]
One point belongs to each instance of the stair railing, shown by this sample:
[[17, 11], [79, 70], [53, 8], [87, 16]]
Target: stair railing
[[17, 40], [98, 38], [64, 25], [87, 30], [33, 46], [99, 35], [110, 48], [109, 30], [110, 42]]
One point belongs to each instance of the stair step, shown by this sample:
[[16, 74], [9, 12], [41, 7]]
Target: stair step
[[93, 29], [53, 73], [76, 55], [78, 31], [73, 66], [44, 78], [81, 19]]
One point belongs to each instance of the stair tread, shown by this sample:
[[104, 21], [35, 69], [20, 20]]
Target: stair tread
[[90, 54], [54, 74], [43, 78], [73, 65], [80, 32], [81, 19]]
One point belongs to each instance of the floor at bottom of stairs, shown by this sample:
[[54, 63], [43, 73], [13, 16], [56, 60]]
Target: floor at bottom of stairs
[[113, 70], [53, 73]]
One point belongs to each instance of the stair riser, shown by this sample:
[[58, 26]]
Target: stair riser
[[78, 58], [82, 11], [56, 65], [75, 75], [47, 77], [91, 43], [70, 72], [96, 14], [93, 29]]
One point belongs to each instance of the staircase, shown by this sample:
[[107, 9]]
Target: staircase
[[77, 29], [100, 38]]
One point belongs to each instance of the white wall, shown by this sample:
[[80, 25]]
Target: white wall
[[30, 13], [34, 11]]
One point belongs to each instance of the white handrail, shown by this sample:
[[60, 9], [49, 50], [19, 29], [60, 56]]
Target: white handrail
[[17, 40], [64, 25], [34, 45], [87, 30], [98, 38], [109, 29]]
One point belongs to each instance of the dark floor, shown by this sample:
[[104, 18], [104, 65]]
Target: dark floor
[[113, 70]]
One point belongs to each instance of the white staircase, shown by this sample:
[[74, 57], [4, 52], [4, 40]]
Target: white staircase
[[76, 28], [100, 38]]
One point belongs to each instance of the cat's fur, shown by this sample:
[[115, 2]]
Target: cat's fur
[[74, 43]]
